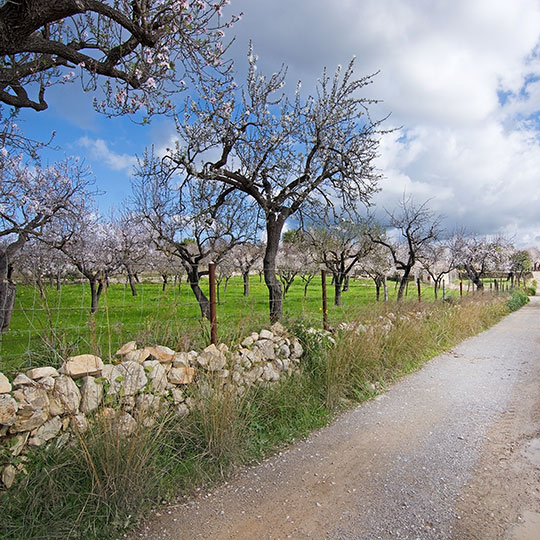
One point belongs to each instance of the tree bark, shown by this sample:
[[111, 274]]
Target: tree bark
[[131, 279], [95, 291], [274, 226], [7, 301], [337, 280], [245, 278], [204, 303], [165, 279], [403, 283]]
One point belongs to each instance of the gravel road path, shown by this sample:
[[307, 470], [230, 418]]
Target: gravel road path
[[449, 452]]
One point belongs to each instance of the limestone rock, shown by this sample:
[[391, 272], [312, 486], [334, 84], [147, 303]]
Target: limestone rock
[[41, 372], [126, 348], [82, 365], [177, 395], [46, 432], [124, 424], [91, 395], [265, 334], [181, 375], [66, 397], [19, 441], [297, 350], [270, 373], [212, 358], [161, 353], [138, 356], [5, 385], [22, 380], [284, 351], [78, 423], [47, 383], [247, 342], [278, 329], [127, 378], [8, 410], [184, 359], [8, 475], [33, 408], [148, 406], [267, 348], [182, 410], [157, 375]]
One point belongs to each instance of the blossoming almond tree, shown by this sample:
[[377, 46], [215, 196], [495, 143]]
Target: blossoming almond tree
[[138, 52], [287, 155], [30, 198]]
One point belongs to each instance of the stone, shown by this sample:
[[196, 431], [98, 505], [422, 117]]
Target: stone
[[182, 359], [91, 395], [19, 442], [22, 380], [127, 378], [41, 372], [161, 353], [8, 475], [147, 408], [82, 366], [66, 397], [278, 329], [78, 423], [8, 410], [5, 385], [297, 350], [266, 348], [177, 395], [33, 408], [181, 375], [284, 351], [212, 358], [270, 373], [265, 334], [137, 356], [182, 410], [47, 383], [247, 342], [128, 347], [46, 432], [157, 375], [124, 424]]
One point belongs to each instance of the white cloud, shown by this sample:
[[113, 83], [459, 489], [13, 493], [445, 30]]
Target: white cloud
[[100, 151], [442, 66]]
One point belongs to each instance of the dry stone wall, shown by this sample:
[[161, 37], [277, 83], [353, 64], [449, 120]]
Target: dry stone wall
[[46, 404]]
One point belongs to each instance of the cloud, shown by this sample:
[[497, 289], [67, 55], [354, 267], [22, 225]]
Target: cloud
[[100, 151], [462, 79]]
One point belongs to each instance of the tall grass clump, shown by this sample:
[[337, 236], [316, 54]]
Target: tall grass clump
[[94, 486], [387, 344], [518, 298]]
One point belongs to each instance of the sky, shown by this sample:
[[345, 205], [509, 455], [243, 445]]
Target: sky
[[460, 80]]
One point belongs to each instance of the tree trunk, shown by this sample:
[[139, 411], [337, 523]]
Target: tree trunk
[[346, 284], [58, 282], [131, 279], [7, 300], [39, 283], [165, 279], [337, 280], [377, 290], [273, 233], [204, 303], [95, 291], [403, 284], [436, 287], [245, 278]]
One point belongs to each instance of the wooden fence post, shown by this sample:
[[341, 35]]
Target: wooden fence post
[[213, 308], [460, 289], [385, 290], [419, 289], [443, 290], [324, 300]]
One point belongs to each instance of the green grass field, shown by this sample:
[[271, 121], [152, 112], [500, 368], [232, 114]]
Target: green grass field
[[43, 331]]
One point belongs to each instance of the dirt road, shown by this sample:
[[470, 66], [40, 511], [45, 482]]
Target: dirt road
[[450, 452]]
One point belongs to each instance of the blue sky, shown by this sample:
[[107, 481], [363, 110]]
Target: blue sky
[[461, 77]]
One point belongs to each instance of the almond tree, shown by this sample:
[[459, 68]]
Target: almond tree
[[89, 244], [339, 244], [287, 155], [137, 53], [478, 255], [416, 227], [438, 259], [376, 265], [197, 222], [245, 256], [30, 198]]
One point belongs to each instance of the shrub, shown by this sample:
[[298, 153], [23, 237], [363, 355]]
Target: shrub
[[517, 299]]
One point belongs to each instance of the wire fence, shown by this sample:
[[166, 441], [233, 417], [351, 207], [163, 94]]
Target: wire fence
[[50, 323]]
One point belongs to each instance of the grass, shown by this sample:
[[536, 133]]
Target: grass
[[45, 330], [98, 486]]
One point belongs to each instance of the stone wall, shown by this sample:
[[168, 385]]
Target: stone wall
[[46, 404]]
